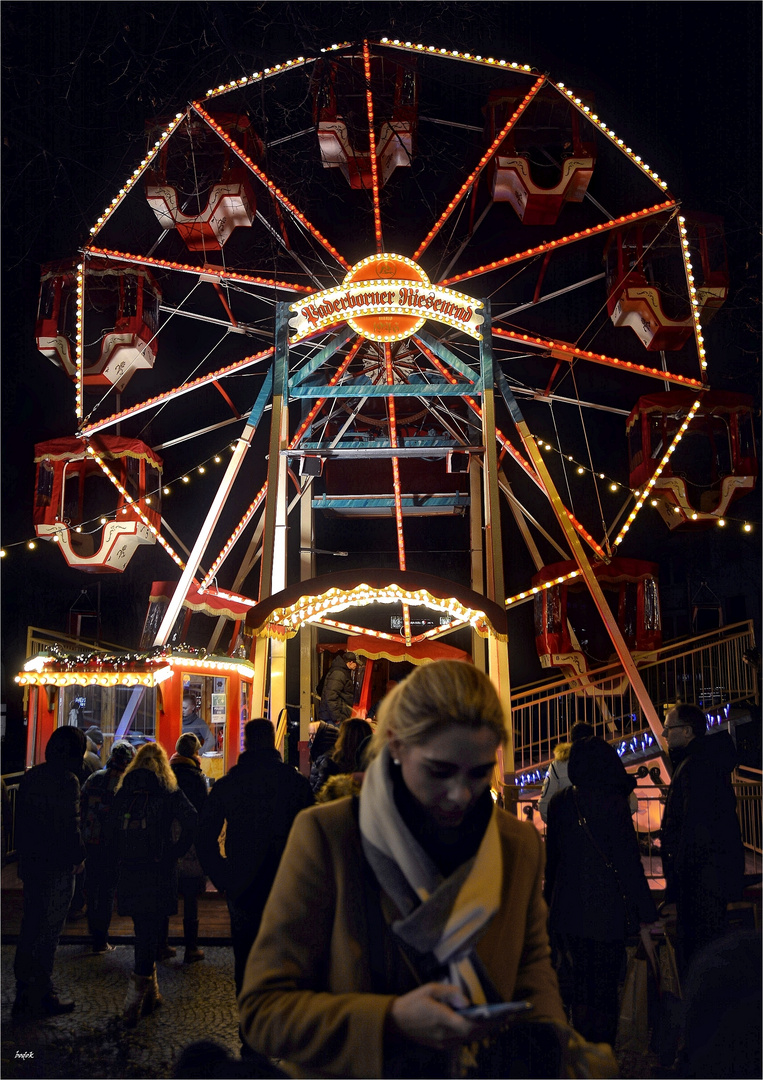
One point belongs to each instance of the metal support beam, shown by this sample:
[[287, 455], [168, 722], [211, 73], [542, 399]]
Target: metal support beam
[[578, 552], [306, 632], [476, 547], [498, 651], [213, 515], [273, 562]]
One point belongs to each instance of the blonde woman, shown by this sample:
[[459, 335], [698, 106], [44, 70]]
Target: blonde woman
[[151, 826], [393, 911]]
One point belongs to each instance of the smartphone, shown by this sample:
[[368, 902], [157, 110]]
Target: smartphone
[[488, 1012]]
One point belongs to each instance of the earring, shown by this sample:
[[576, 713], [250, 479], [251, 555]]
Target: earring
[[395, 761]]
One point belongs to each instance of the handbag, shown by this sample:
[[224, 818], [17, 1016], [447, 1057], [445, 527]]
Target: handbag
[[668, 1006], [633, 1022], [632, 921]]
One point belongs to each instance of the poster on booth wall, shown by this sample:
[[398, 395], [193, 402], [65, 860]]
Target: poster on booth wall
[[218, 708]]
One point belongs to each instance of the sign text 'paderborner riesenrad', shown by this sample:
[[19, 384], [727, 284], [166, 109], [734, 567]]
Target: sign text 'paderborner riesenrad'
[[385, 298]]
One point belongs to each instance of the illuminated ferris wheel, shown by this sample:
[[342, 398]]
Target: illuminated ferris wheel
[[400, 283]]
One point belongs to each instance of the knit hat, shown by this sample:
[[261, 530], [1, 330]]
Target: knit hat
[[122, 753], [188, 745], [350, 658]]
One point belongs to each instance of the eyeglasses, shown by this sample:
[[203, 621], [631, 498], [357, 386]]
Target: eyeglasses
[[672, 727]]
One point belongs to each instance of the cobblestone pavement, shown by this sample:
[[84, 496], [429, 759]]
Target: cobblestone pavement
[[91, 1042]]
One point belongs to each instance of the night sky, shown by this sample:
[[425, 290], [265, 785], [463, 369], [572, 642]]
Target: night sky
[[679, 81]]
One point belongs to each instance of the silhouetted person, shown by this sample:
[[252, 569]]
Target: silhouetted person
[[151, 826], [257, 801], [702, 853], [595, 884], [51, 852], [186, 765], [556, 777], [97, 796]]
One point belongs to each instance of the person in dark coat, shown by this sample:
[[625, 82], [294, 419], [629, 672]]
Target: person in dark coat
[[702, 852], [339, 689], [51, 853], [595, 883], [257, 801], [345, 756], [150, 814], [91, 763], [186, 765], [97, 796]]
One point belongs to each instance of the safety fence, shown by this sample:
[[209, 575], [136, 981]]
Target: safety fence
[[709, 669], [647, 820]]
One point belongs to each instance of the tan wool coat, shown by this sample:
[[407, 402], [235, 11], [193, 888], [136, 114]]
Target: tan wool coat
[[315, 994]]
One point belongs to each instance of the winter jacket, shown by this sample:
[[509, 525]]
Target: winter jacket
[[149, 886], [585, 897], [194, 725], [338, 692], [191, 782], [319, 984], [48, 833], [257, 801], [701, 839], [321, 770]]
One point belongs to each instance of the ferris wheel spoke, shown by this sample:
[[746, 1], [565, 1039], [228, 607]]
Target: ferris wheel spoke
[[205, 272], [481, 165], [564, 350], [279, 239], [272, 188], [564, 241], [176, 392], [372, 151]]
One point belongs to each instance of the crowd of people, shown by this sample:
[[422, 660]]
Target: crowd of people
[[388, 917]]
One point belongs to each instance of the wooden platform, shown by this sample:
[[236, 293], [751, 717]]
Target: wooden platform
[[214, 923]]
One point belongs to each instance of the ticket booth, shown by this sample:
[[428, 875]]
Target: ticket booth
[[140, 699]]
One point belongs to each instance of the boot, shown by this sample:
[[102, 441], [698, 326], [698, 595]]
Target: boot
[[153, 998], [163, 950], [191, 937], [24, 1006], [137, 989], [53, 1004]]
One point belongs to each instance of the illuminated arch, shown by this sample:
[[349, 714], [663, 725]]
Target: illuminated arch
[[281, 615]]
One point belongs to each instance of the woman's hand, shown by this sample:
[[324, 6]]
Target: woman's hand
[[426, 1015]]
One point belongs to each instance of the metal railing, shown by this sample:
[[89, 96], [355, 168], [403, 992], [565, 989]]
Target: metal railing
[[11, 781], [708, 669], [647, 820]]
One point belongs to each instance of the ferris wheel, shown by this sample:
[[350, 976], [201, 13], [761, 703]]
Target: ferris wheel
[[396, 282]]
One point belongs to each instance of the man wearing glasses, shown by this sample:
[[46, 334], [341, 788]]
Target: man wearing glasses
[[702, 854]]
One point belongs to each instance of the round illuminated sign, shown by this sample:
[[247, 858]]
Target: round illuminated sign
[[379, 268]]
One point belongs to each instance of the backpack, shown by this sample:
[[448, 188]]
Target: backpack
[[98, 795], [142, 827]]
